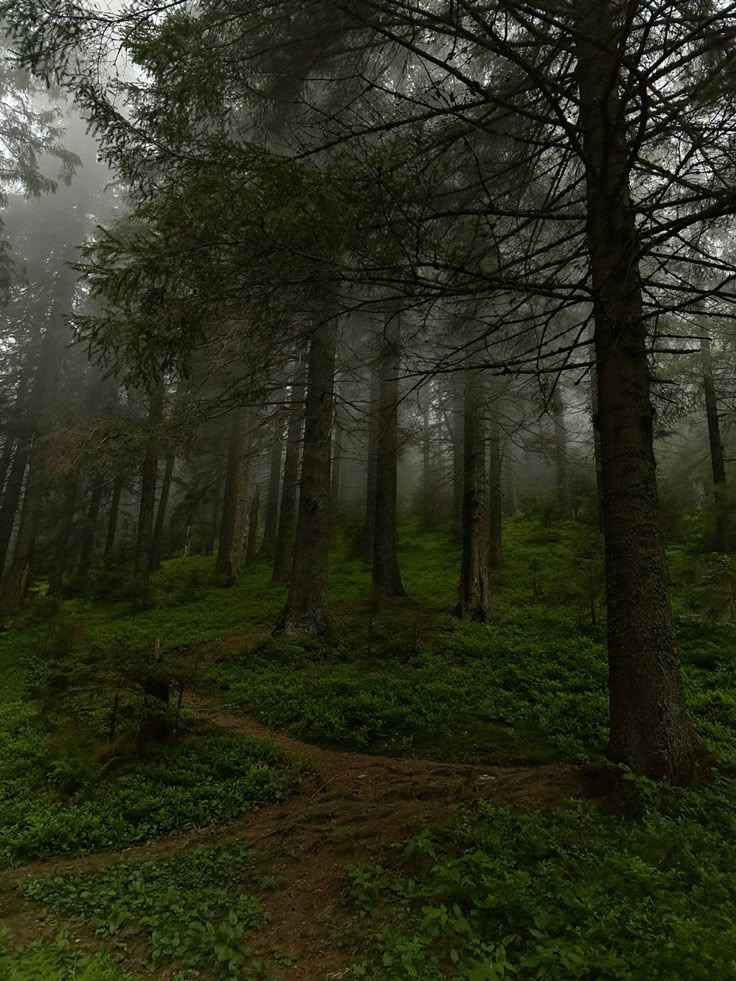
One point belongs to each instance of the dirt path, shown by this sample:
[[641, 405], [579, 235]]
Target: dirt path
[[349, 810]]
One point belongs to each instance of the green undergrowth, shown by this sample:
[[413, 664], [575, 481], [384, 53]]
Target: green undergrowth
[[62, 799], [191, 911], [502, 893], [55, 960]]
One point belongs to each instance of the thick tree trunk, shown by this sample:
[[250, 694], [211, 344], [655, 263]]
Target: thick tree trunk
[[89, 529], [163, 501], [61, 549], [386, 574], [112, 519], [306, 605], [271, 518], [495, 493], [284, 552], [722, 532], [649, 728], [561, 470], [369, 535], [474, 590], [141, 586], [251, 549], [230, 546]]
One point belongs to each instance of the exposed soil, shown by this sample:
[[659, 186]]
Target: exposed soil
[[349, 808]]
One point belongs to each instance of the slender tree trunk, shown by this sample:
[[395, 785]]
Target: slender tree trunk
[[61, 550], [12, 498], [458, 456], [271, 520], [337, 451], [495, 494], [597, 447], [12, 443], [649, 728], [141, 586], [474, 590], [372, 464], [163, 501], [230, 546], [561, 469], [427, 497], [86, 549], [284, 552], [251, 549], [306, 605], [386, 574], [722, 531], [112, 520]]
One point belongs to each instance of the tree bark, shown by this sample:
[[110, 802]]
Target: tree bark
[[337, 451], [251, 549], [230, 546], [649, 728], [141, 587], [720, 496], [271, 520], [495, 494], [386, 574], [163, 501], [427, 497], [12, 497], [369, 536], [597, 448], [474, 590], [283, 554], [112, 520], [306, 605], [458, 458]]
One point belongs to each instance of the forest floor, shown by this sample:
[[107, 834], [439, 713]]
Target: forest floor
[[411, 797]]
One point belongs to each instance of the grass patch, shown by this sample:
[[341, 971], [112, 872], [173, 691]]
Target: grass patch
[[55, 960]]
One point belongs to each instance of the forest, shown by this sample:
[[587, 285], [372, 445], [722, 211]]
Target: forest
[[367, 524]]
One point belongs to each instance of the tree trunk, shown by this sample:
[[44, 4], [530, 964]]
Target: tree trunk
[[61, 550], [722, 532], [386, 574], [597, 447], [495, 494], [474, 591], [427, 497], [561, 470], [163, 501], [112, 520], [230, 546], [251, 549], [141, 586], [649, 728], [306, 605], [270, 526], [337, 451], [86, 549], [283, 554], [458, 457], [12, 497], [11, 441], [369, 536]]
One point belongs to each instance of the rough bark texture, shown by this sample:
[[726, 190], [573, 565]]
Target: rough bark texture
[[495, 494], [474, 590], [271, 517], [141, 586], [386, 574], [649, 728], [369, 536], [284, 551], [251, 548], [230, 545], [163, 501], [112, 518], [306, 605], [562, 474], [721, 541]]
